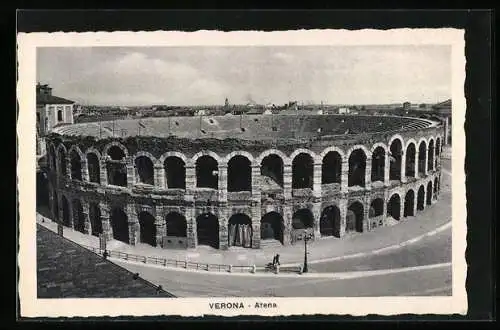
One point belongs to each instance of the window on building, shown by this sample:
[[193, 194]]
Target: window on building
[[59, 115]]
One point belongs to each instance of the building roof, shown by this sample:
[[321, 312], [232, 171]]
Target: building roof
[[66, 269], [42, 99]]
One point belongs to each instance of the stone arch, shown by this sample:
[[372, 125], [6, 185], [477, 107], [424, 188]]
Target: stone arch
[[272, 169], [410, 157], [302, 170], [212, 154], [61, 157], [95, 218], [207, 171], [379, 153], [376, 208], [358, 156], [394, 206], [396, 152], [176, 224], [94, 166], [108, 146], [177, 154], [144, 164], [175, 171], [299, 151], [302, 219], [76, 159], [147, 228], [207, 229], [239, 173], [331, 167], [332, 149], [429, 193], [330, 222], [430, 154], [409, 203], [240, 153], [239, 230], [264, 154], [271, 226], [422, 156], [421, 198], [119, 224], [78, 216], [355, 217], [396, 137]]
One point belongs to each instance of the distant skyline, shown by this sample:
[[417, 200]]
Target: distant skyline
[[206, 75]]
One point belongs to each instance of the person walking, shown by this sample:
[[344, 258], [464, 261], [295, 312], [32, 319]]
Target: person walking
[[274, 260], [277, 259]]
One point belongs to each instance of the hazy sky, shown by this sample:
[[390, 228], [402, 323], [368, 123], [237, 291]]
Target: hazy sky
[[207, 75]]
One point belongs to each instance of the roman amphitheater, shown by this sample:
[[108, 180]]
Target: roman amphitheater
[[247, 181]]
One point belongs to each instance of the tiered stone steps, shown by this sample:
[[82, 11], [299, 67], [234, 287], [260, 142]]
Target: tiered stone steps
[[270, 244]]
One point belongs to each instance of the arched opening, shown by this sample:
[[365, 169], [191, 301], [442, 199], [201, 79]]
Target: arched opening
[[395, 160], [376, 208], [78, 217], [66, 216], [239, 174], [147, 228], [421, 198], [430, 157], [76, 165], [409, 203], [302, 171], [240, 230], [302, 219], [176, 224], [119, 224], [145, 170], [42, 191], [329, 224], [207, 175], [207, 228], [354, 219], [94, 168], [271, 227], [175, 169], [271, 171], [422, 152], [394, 207], [331, 168], [116, 167], [410, 160], [378, 164], [62, 162], [429, 193], [357, 167], [95, 219]]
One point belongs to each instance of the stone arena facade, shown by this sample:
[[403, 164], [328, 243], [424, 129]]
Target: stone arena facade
[[245, 181]]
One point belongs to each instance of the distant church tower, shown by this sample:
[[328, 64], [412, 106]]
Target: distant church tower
[[226, 103]]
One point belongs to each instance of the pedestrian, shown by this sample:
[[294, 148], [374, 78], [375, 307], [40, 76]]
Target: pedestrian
[[274, 260], [277, 259]]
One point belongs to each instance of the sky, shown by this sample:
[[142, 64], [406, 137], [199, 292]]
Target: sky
[[206, 75]]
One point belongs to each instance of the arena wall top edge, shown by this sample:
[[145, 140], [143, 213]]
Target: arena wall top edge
[[252, 133]]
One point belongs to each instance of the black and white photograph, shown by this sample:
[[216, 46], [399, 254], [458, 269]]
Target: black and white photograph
[[242, 173]]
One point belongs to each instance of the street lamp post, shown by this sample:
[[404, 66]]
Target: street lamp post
[[306, 238]]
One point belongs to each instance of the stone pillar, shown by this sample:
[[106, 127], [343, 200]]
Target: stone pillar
[[130, 174], [343, 216], [287, 181], [344, 176], [316, 211], [86, 219], [256, 191], [192, 239], [366, 214], [256, 217], [68, 167], [85, 170], [417, 161], [159, 176], [107, 229], [60, 208], [134, 229], [368, 172], [222, 182], [317, 178], [402, 208], [425, 161], [190, 177], [287, 220], [223, 228], [387, 167], [161, 226], [103, 172], [403, 167], [415, 201]]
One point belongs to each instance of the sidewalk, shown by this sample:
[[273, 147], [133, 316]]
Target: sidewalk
[[432, 217]]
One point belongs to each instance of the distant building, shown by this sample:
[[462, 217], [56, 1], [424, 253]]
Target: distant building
[[406, 106], [343, 111], [201, 112], [443, 107]]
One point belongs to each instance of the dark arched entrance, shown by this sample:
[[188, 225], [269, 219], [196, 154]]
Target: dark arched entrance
[[76, 165], [147, 228], [357, 166], [354, 219], [207, 228], [42, 191], [240, 230], [145, 170], [176, 224], [62, 162], [329, 224], [410, 160], [394, 207], [422, 152], [429, 193], [421, 198], [207, 175], [119, 224], [271, 227], [430, 156], [331, 168], [395, 160], [378, 164], [93, 168], [409, 203], [302, 219], [95, 218], [271, 167], [116, 167], [376, 208], [175, 170], [78, 217], [302, 171], [239, 174]]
